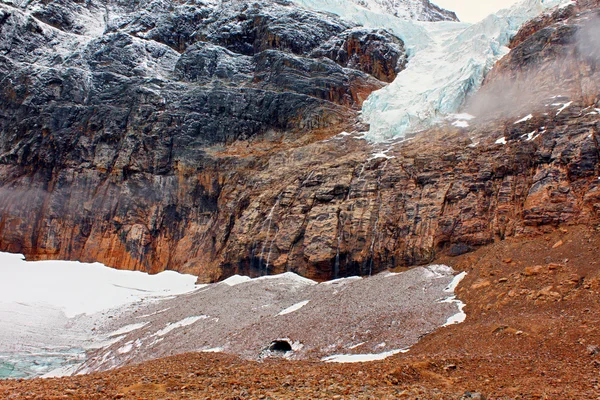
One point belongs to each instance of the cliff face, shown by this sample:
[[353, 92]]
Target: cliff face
[[201, 141], [420, 10], [113, 115]]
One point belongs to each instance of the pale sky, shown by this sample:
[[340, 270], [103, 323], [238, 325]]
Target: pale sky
[[474, 10]]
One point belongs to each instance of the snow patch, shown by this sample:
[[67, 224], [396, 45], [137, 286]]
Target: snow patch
[[356, 345], [502, 140], [564, 107], [213, 350], [236, 280], [454, 284], [461, 124], [127, 329], [293, 308], [126, 348], [530, 136], [525, 119], [289, 277], [459, 317], [342, 281], [180, 324], [356, 358]]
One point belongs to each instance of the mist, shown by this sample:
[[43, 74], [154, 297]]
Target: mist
[[588, 39], [563, 61]]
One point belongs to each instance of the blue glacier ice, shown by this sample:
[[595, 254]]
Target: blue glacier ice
[[448, 61]]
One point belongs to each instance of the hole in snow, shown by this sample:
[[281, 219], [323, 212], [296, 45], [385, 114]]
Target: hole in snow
[[282, 346]]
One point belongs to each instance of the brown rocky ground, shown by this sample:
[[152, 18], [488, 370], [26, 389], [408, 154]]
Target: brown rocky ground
[[533, 303]]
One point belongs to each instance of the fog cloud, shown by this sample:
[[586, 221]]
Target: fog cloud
[[562, 62]]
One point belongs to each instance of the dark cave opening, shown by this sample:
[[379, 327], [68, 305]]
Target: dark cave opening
[[282, 346]]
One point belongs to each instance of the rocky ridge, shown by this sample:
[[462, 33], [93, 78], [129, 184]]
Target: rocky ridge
[[419, 10]]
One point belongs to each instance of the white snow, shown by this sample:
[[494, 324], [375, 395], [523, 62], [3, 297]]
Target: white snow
[[356, 358], [531, 136], [502, 140], [180, 324], [293, 308], [67, 370], [564, 107], [527, 118], [460, 120], [236, 280], [127, 328], [126, 348], [213, 350], [567, 4], [381, 154], [356, 345], [457, 279], [342, 281], [459, 317], [448, 61], [80, 288], [287, 277]]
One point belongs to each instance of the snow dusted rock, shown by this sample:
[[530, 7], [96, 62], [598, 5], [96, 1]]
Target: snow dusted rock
[[418, 10], [126, 101]]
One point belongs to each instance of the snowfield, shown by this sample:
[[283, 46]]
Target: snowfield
[[79, 288], [50, 310], [61, 318]]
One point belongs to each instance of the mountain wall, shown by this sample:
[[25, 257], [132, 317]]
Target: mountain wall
[[419, 10], [204, 140]]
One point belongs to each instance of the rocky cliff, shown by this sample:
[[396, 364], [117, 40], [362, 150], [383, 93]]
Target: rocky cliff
[[204, 140], [420, 10], [114, 115]]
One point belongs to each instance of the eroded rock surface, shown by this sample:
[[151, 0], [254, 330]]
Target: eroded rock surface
[[112, 112], [226, 162]]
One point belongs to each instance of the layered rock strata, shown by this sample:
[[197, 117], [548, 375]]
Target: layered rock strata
[[113, 115], [227, 162]]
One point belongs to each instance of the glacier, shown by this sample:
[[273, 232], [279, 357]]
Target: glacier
[[447, 62]]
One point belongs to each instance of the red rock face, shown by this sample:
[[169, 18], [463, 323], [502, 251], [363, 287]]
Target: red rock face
[[324, 208]]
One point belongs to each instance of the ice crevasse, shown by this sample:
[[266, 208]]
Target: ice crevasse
[[448, 60]]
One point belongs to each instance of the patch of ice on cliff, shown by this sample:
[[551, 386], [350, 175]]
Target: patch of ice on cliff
[[524, 119], [448, 61], [564, 107], [80, 288]]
